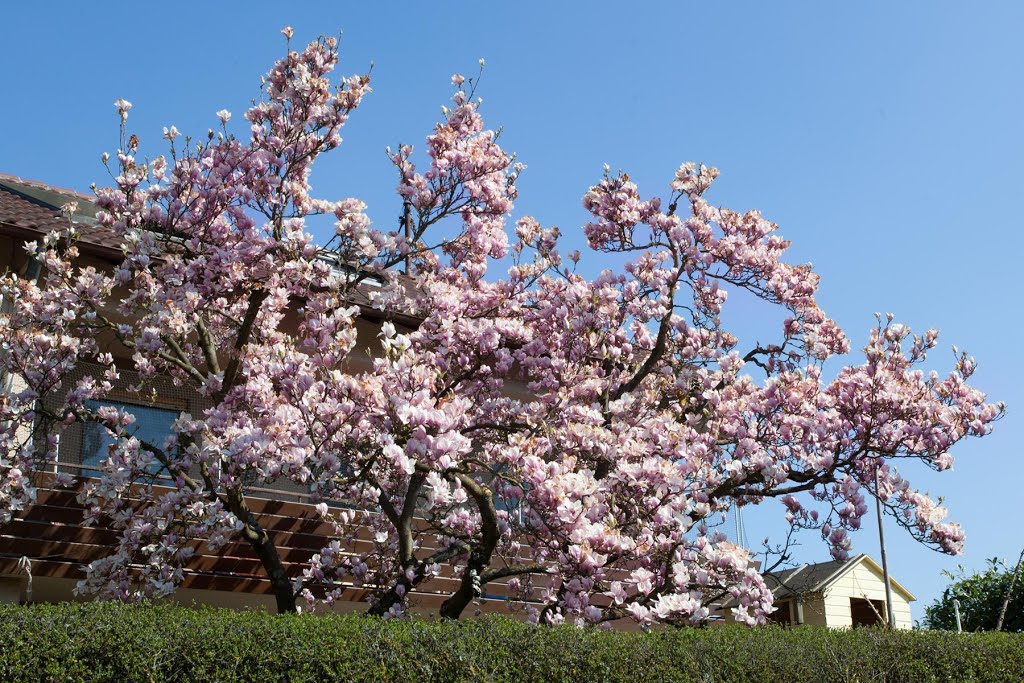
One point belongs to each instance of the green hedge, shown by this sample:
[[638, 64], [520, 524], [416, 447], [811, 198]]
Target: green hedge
[[114, 642]]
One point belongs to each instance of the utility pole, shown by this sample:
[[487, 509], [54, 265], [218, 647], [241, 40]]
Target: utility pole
[[885, 562], [1009, 592]]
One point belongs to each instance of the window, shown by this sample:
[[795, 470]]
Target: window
[[865, 612], [152, 425]]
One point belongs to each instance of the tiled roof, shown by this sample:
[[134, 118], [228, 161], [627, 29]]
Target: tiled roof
[[24, 212], [815, 578], [8, 179], [807, 578], [29, 209]]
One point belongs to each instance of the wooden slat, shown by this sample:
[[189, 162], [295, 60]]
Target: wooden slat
[[52, 514], [27, 538], [305, 532], [72, 533], [52, 532], [34, 548], [288, 516], [62, 506]]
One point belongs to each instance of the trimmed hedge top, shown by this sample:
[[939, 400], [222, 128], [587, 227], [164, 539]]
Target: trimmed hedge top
[[125, 643]]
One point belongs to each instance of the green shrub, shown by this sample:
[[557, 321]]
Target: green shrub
[[123, 643]]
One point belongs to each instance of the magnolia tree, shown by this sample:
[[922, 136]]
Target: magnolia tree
[[574, 438]]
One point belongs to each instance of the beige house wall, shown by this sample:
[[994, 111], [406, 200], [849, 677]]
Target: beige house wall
[[12, 589], [814, 611], [863, 582]]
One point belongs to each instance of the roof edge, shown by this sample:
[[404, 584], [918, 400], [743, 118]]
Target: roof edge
[[863, 557], [11, 179]]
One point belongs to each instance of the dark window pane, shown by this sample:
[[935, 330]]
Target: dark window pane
[[865, 612], [782, 615]]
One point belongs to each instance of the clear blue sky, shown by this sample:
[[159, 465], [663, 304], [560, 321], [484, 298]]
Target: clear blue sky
[[884, 138]]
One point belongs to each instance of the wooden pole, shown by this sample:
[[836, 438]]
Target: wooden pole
[[885, 562]]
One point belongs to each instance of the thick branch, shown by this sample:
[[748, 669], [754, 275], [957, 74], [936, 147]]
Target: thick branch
[[405, 538], [207, 345], [397, 592], [516, 570], [660, 345]]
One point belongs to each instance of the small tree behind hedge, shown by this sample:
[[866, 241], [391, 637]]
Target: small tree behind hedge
[[981, 598]]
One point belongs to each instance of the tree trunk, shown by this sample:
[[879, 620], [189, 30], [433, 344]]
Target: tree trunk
[[406, 557], [283, 592], [395, 595], [480, 557], [470, 587], [266, 551]]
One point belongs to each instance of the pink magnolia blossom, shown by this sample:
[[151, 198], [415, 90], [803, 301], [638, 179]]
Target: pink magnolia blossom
[[122, 105], [575, 437]]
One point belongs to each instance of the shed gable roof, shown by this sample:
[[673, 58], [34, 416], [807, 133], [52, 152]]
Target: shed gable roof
[[819, 577]]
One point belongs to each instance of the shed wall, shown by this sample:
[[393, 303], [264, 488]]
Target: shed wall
[[862, 582]]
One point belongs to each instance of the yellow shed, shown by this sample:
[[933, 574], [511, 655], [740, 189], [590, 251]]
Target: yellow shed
[[838, 594]]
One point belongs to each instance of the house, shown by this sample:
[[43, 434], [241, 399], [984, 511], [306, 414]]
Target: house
[[837, 594], [49, 542]]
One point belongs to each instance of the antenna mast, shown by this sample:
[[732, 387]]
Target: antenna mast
[[741, 532]]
